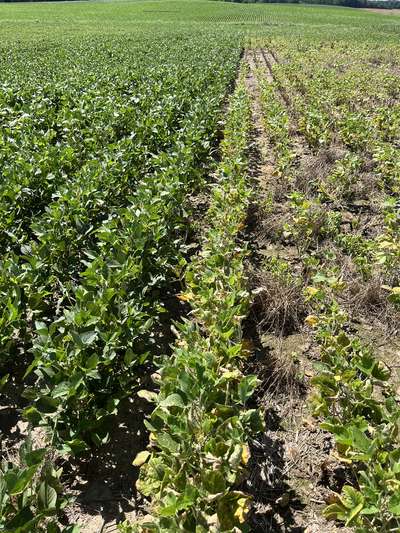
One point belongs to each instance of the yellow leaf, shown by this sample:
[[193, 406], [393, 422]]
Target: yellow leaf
[[386, 244], [341, 458], [245, 454], [311, 320], [185, 297], [232, 374], [242, 509], [396, 290], [141, 458], [147, 395], [311, 291]]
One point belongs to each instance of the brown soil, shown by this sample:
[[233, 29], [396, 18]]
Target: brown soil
[[261, 161], [104, 482], [292, 473]]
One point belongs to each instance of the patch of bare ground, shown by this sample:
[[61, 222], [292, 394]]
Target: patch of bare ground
[[382, 11], [103, 482], [386, 345], [260, 155], [293, 470], [292, 473]]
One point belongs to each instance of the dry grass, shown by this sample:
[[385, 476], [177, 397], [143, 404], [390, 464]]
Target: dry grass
[[314, 168], [278, 302], [369, 299]]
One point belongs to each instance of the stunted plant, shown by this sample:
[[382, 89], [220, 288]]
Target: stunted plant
[[310, 223]]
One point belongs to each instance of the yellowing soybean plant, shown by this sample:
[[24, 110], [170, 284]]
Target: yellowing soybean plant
[[200, 268]]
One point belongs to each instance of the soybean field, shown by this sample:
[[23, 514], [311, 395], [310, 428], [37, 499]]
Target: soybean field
[[200, 267]]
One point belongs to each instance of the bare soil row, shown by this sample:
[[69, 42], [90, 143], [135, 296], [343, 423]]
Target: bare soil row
[[294, 470]]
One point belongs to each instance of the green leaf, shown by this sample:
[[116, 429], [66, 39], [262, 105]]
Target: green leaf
[[32, 415], [164, 440], [74, 446], [23, 521], [88, 337], [214, 481], [351, 498], [394, 504], [3, 494], [47, 404], [129, 357], [18, 480], [4, 380], [35, 457], [246, 387], [47, 497], [335, 511], [354, 513], [84, 339], [173, 400], [370, 510], [61, 390], [41, 329], [172, 503], [359, 440], [381, 371], [92, 362], [343, 340], [169, 505]]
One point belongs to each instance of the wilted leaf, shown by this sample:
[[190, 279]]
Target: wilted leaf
[[141, 458]]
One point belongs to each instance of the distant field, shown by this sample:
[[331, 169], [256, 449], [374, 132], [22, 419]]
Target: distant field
[[200, 267], [47, 20]]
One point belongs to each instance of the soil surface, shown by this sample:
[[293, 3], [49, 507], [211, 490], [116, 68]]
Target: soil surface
[[292, 473]]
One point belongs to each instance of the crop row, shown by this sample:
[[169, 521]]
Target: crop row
[[348, 104], [325, 120], [46, 258], [92, 249], [79, 279], [200, 425], [355, 392]]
